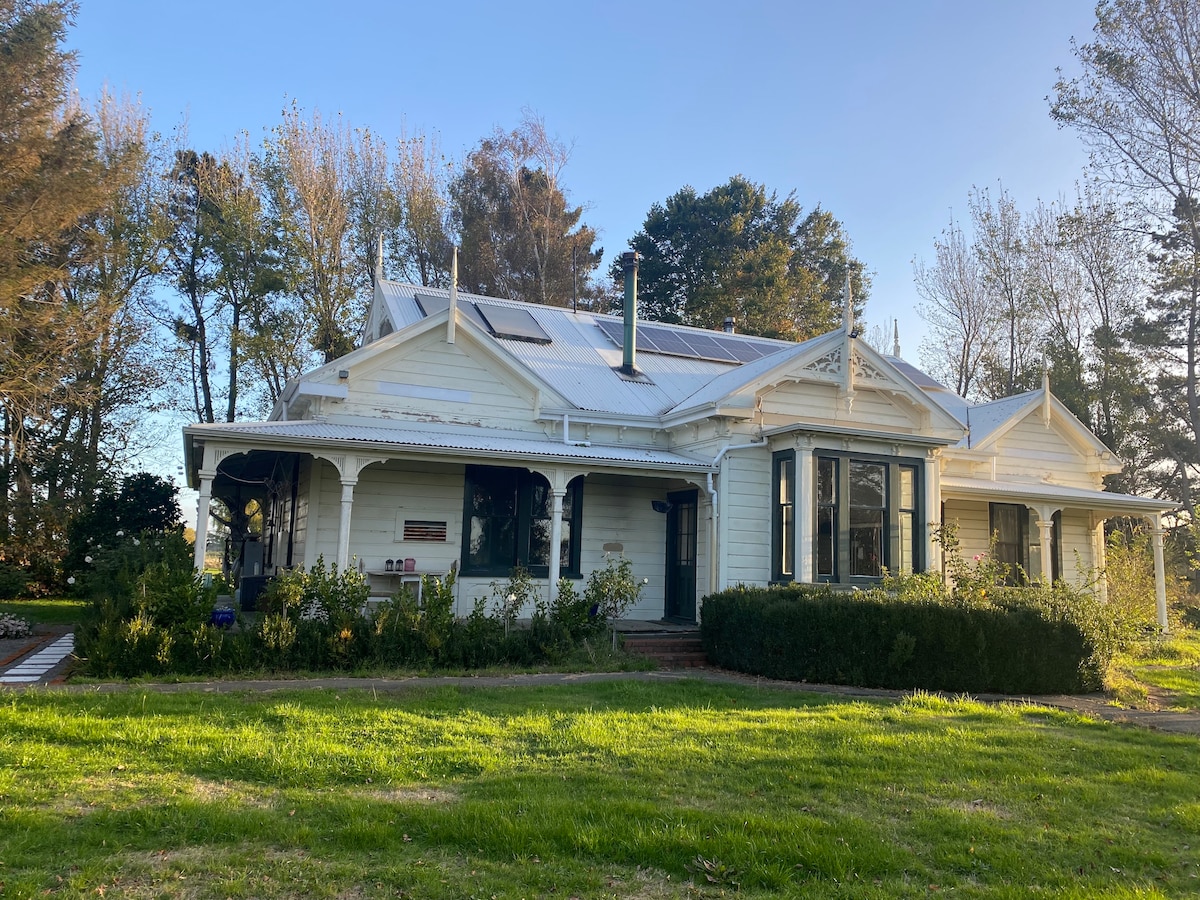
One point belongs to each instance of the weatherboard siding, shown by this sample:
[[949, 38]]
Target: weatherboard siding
[[813, 402], [1032, 452], [745, 529], [439, 382]]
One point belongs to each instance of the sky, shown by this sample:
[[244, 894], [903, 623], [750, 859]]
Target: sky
[[884, 113]]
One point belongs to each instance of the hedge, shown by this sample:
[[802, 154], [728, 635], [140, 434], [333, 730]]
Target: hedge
[[870, 639]]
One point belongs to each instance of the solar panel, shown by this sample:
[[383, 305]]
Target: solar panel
[[715, 346], [513, 324], [431, 305]]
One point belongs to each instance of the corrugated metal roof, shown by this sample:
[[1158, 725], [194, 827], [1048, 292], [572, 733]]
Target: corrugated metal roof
[[580, 361], [1055, 494], [731, 379], [478, 442], [985, 418]]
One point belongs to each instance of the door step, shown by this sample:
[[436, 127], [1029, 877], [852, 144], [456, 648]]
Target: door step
[[677, 650]]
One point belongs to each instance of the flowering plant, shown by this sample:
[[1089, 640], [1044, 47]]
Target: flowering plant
[[13, 627]]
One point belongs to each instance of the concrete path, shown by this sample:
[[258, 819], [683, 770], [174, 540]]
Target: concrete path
[[40, 661], [42, 665]]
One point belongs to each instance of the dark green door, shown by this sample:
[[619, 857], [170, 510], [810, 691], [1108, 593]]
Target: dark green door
[[681, 556]]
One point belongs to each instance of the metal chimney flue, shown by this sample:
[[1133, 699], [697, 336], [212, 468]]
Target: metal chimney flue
[[629, 262], [730, 325]]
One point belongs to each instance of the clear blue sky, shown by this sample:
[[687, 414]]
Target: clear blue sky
[[885, 113]]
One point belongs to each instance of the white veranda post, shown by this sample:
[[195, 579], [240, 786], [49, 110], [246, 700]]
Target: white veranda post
[[203, 503], [1160, 574]]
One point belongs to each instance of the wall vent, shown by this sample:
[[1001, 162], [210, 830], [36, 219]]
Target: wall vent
[[421, 530]]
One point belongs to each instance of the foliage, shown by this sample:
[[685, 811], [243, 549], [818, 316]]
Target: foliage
[[64, 378], [1026, 643], [520, 236], [587, 789], [739, 251], [512, 596], [13, 581], [572, 611], [141, 502], [611, 591], [13, 627]]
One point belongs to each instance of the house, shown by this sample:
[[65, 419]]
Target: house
[[481, 433]]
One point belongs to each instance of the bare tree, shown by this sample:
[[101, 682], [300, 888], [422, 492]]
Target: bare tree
[[962, 329]]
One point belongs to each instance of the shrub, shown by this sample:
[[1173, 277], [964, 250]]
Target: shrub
[[874, 639], [611, 591], [13, 581]]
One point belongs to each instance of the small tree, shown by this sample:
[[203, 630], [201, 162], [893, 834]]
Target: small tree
[[611, 591]]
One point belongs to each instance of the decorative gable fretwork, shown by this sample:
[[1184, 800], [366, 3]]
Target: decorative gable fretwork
[[865, 370], [828, 366]]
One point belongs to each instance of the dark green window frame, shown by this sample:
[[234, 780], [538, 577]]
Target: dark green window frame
[[506, 521], [858, 508], [783, 516]]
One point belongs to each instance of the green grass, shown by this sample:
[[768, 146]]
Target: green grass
[[1164, 672], [51, 611], [622, 789]]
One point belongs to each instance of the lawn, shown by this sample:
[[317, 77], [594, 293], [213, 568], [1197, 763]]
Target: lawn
[[45, 612], [623, 789], [1163, 673]]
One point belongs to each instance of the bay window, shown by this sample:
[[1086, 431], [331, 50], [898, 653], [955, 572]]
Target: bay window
[[866, 516]]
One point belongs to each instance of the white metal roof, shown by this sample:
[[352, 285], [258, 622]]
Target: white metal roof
[[477, 443], [1105, 501], [581, 362]]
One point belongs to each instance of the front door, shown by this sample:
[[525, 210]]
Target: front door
[[681, 556]]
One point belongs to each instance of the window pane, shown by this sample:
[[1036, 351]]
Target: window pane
[[493, 541], [785, 481], [787, 541], [908, 480], [826, 545], [866, 484], [539, 542], [906, 543], [826, 480], [866, 541]]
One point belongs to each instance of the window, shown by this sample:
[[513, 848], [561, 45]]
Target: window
[[867, 510], [507, 520], [783, 546], [1009, 524]]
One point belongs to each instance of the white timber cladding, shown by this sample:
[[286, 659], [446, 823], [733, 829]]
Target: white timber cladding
[[435, 382], [302, 507], [1079, 565], [745, 527], [1030, 451], [821, 403]]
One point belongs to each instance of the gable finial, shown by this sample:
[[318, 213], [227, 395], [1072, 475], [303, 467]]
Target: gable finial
[[453, 309], [896, 338], [848, 308], [1046, 390]]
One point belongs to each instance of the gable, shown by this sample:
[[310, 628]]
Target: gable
[[425, 379], [871, 394], [1032, 451]]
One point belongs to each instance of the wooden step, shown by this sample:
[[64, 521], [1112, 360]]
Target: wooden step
[[680, 650]]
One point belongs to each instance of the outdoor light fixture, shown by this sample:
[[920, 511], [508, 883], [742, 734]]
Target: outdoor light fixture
[[660, 506]]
